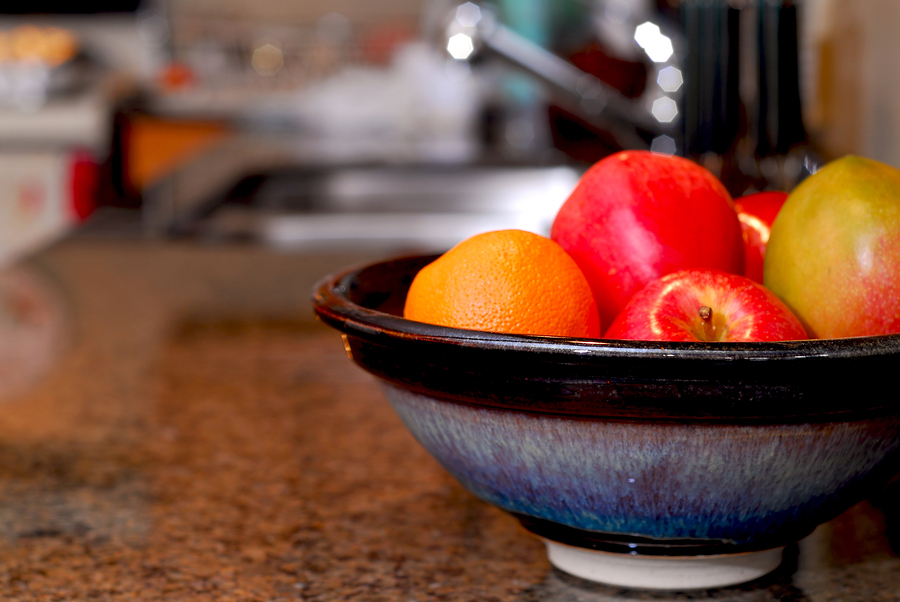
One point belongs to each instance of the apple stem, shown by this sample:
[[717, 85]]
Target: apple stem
[[708, 326]]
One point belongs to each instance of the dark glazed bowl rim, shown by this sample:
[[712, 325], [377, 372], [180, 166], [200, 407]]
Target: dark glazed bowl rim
[[804, 371]]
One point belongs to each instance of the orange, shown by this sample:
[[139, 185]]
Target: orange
[[505, 281]]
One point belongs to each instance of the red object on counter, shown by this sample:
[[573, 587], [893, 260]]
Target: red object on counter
[[176, 76], [628, 77], [83, 183], [756, 213]]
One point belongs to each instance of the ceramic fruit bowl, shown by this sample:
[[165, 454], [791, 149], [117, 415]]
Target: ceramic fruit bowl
[[640, 464]]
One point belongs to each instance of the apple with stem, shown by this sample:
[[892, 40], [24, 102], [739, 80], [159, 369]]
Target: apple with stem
[[705, 306], [636, 216], [756, 212]]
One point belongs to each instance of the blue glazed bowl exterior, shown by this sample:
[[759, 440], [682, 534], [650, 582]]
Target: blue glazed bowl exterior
[[659, 448], [731, 482]]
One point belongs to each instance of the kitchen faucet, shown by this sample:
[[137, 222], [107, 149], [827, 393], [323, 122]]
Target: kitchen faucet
[[638, 123], [722, 83]]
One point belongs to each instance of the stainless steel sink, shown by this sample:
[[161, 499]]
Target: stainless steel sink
[[388, 207]]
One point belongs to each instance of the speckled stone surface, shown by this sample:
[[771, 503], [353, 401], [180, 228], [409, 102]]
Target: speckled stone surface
[[201, 438]]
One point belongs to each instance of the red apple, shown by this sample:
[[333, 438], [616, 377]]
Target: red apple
[[636, 216], [756, 213], [705, 305]]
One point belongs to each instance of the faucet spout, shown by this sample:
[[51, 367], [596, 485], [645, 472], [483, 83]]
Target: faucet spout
[[633, 123]]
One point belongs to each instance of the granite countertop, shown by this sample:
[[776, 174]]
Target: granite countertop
[[187, 431]]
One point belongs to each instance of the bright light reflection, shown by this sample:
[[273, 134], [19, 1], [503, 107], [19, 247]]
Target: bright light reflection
[[460, 46], [811, 165], [468, 14], [267, 59], [645, 33], [663, 145], [657, 46], [670, 79], [757, 224], [664, 109]]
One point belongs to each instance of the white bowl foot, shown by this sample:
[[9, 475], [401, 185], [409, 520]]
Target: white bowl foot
[[663, 572]]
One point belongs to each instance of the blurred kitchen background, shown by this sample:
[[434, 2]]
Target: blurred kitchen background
[[410, 124]]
